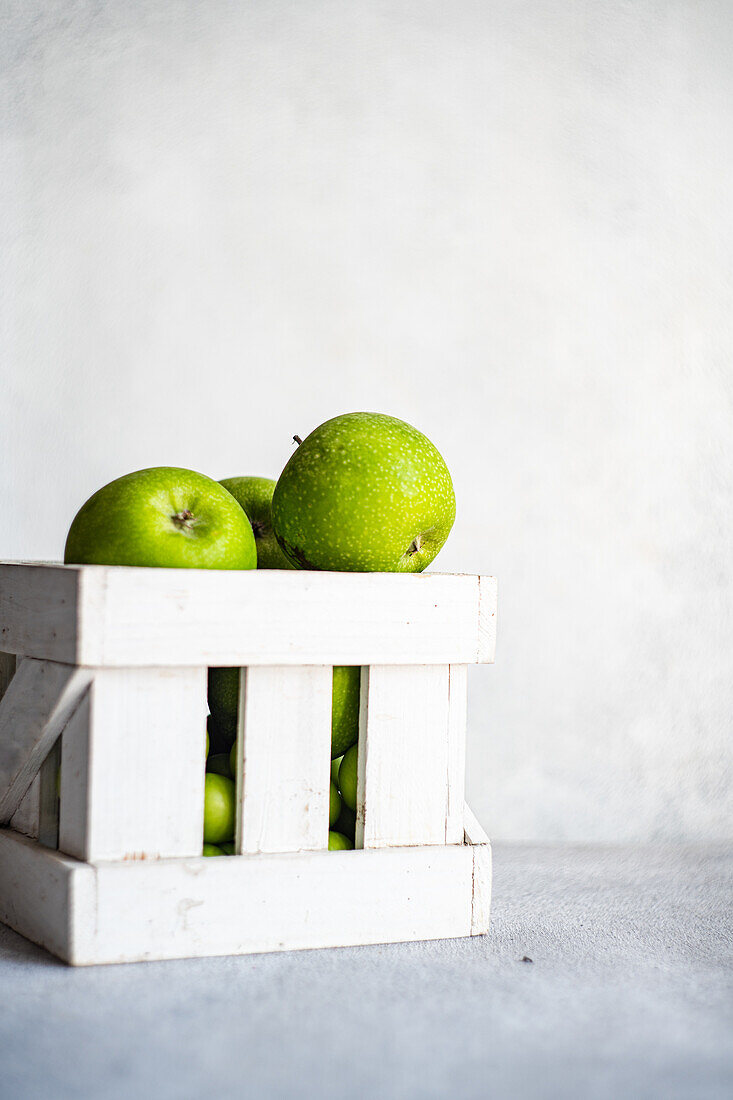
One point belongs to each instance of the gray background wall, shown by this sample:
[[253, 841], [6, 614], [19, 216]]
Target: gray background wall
[[506, 222]]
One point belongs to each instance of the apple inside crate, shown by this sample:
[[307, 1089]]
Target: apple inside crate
[[103, 672]]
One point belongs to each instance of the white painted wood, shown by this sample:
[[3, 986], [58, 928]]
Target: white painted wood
[[284, 747], [38, 610], [409, 752], [131, 744], [486, 620], [44, 896], [133, 760], [118, 617], [25, 818], [37, 704], [454, 820], [474, 833], [481, 908], [479, 842], [126, 912]]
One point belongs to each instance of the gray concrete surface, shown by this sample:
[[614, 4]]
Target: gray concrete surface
[[629, 994]]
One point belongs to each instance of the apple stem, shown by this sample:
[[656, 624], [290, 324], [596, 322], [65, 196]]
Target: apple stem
[[414, 546], [184, 519], [297, 439]]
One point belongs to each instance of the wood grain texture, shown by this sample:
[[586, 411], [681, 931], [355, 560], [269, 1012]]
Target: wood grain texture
[[479, 843], [26, 817], [456, 783], [481, 908], [42, 894], [410, 751], [284, 747], [474, 833], [132, 768], [39, 610], [103, 616], [35, 708], [126, 912], [487, 603]]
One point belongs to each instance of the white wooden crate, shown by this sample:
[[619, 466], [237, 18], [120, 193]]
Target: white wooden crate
[[103, 670]]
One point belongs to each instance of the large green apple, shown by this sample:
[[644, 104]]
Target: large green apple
[[345, 708], [364, 493], [254, 494], [166, 517], [223, 698], [219, 808]]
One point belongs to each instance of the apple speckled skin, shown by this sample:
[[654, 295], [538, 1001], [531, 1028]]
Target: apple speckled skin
[[254, 495], [345, 708], [364, 493], [163, 517]]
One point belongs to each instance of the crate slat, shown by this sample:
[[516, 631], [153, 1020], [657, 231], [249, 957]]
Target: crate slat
[[118, 617], [166, 909], [409, 751], [284, 746], [26, 817], [481, 907], [456, 794], [132, 766], [34, 709]]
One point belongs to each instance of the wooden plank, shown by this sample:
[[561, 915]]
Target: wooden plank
[[474, 833], [26, 817], [118, 617], [39, 610], [36, 706], [410, 752], [481, 907], [284, 747], [44, 896], [479, 842], [457, 690], [486, 620], [182, 908], [132, 771]]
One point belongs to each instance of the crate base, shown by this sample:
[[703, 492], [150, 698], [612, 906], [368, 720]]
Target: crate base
[[186, 908]]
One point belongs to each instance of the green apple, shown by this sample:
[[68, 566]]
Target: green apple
[[218, 764], [223, 696], [233, 760], [346, 822], [212, 850], [364, 493], [224, 704], [221, 734], [227, 847], [335, 765], [334, 808], [218, 808], [347, 777], [223, 701], [254, 495], [337, 842], [166, 517], [345, 708]]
